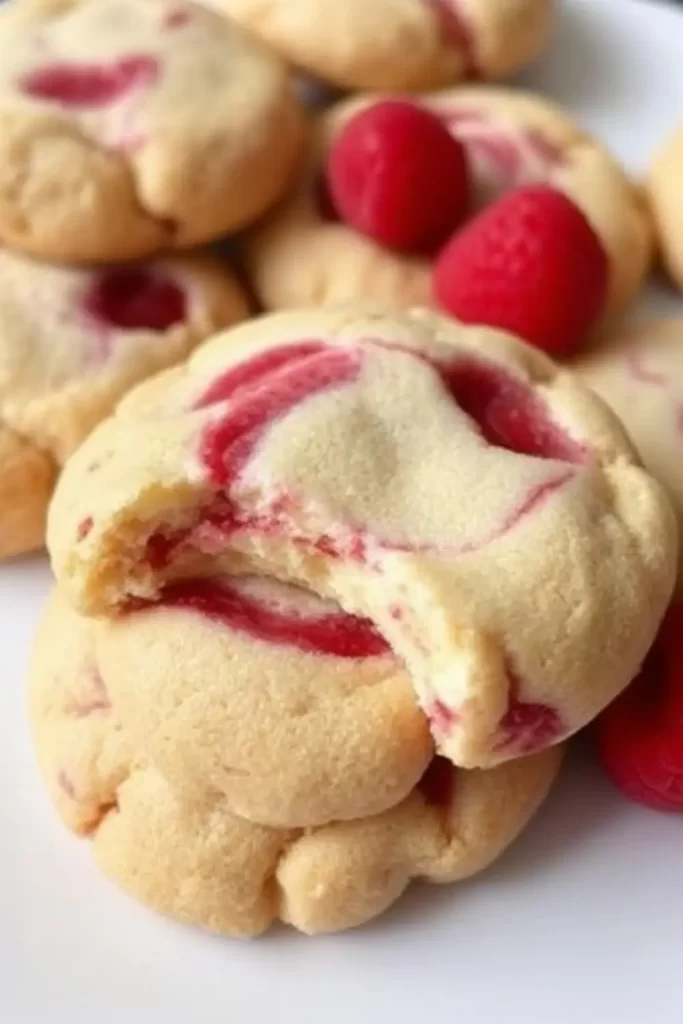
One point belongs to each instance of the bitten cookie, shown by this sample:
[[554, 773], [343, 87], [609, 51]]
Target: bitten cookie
[[639, 372], [410, 44], [664, 189], [189, 856], [303, 254], [128, 127], [481, 507], [72, 342]]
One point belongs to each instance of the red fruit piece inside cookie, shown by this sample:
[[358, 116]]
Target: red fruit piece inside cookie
[[640, 735], [135, 299], [90, 85], [530, 264], [396, 174]]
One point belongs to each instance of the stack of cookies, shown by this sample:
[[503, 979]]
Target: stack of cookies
[[333, 593], [128, 130], [334, 585]]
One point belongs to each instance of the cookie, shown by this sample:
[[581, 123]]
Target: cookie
[[72, 341], [480, 507], [127, 128], [638, 371], [413, 44], [191, 857], [667, 205], [236, 683], [303, 254]]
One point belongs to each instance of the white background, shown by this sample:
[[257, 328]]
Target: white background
[[581, 921]]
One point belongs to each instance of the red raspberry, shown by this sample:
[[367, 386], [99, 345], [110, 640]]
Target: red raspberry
[[640, 735], [396, 174], [530, 264]]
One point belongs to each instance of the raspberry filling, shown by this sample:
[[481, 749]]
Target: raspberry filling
[[456, 32], [437, 785], [134, 299], [507, 412], [527, 728], [512, 151], [263, 390], [312, 628], [90, 85]]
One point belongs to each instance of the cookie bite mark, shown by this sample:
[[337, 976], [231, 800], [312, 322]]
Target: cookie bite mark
[[134, 299], [456, 32], [437, 785], [90, 86], [527, 727], [277, 613]]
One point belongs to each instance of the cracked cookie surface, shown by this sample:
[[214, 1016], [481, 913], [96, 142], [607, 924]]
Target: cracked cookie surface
[[479, 506], [124, 128], [72, 342], [190, 856]]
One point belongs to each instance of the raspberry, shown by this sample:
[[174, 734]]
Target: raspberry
[[397, 175], [530, 264], [640, 736]]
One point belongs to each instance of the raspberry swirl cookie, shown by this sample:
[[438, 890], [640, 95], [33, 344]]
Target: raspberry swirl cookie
[[128, 127], [410, 44], [667, 205], [305, 254], [188, 855], [639, 373], [72, 341], [481, 508]]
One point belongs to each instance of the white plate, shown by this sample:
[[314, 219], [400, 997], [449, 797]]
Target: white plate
[[580, 922]]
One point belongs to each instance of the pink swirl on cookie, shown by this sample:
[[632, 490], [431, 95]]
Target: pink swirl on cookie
[[456, 32], [93, 85], [279, 614], [265, 390], [502, 155]]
